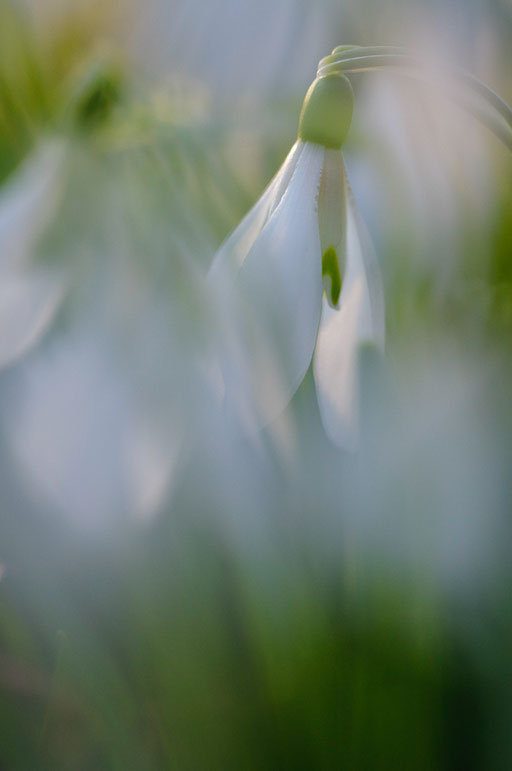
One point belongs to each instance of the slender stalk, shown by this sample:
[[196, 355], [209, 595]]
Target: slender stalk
[[359, 59]]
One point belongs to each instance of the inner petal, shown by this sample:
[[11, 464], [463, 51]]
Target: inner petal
[[332, 223]]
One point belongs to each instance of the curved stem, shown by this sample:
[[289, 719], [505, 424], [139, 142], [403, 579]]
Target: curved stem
[[359, 59]]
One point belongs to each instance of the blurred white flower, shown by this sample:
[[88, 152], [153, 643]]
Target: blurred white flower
[[305, 287], [101, 419]]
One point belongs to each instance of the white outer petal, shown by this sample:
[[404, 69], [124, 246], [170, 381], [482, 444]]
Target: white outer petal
[[360, 319], [236, 247], [27, 307], [279, 290], [29, 296], [27, 203], [67, 428], [372, 271]]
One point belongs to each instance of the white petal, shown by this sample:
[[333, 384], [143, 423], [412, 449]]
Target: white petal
[[27, 203], [27, 307], [332, 215], [83, 438], [360, 319], [372, 271], [29, 296], [67, 427], [235, 249], [279, 290], [152, 458]]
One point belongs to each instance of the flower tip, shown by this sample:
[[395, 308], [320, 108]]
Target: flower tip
[[327, 111]]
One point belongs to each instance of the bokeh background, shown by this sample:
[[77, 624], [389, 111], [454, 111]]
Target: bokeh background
[[176, 594]]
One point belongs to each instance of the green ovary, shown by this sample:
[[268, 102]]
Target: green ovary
[[331, 268], [327, 111]]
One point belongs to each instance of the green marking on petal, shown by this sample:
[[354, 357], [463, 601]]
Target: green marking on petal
[[331, 270]]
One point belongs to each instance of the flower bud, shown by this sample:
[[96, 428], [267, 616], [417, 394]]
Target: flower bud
[[327, 111]]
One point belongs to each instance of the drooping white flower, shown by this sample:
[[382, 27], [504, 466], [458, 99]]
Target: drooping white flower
[[102, 418], [303, 277]]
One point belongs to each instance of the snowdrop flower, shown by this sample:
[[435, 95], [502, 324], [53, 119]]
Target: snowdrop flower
[[303, 276]]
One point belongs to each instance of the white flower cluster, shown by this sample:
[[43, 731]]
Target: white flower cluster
[[296, 283]]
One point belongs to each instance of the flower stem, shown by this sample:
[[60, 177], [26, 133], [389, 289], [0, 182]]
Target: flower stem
[[365, 59]]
